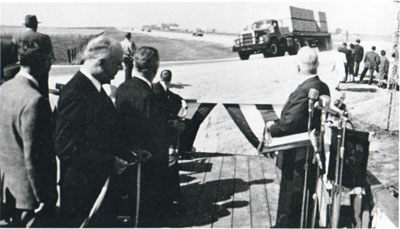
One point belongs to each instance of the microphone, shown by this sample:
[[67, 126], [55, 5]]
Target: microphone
[[339, 102], [324, 105], [312, 97]]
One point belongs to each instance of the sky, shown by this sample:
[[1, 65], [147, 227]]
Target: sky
[[375, 17]]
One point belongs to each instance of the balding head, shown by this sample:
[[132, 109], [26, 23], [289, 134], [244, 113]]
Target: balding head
[[307, 60], [103, 58], [102, 47]]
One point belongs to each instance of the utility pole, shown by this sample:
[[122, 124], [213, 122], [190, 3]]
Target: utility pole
[[396, 45]]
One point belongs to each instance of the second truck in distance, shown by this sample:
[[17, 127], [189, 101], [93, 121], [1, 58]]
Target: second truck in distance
[[273, 37]]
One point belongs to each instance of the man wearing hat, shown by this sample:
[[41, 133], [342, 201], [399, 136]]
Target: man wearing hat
[[43, 40], [129, 48], [27, 157], [358, 56]]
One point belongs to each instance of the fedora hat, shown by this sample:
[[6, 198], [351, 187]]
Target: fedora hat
[[31, 20]]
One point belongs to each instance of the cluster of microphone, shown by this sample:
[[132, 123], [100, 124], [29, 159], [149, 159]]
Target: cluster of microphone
[[322, 102]]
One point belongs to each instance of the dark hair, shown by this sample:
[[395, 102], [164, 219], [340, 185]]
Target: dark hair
[[351, 45], [344, 44], [166, 75], [128, 35], [358, 41], [383, 52], [146, 58], [394, 55], [29, 54], [373, 48]]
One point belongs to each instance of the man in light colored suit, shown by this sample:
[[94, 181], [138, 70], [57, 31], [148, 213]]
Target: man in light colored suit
[[27, 158], [371, 63], [129, 48]]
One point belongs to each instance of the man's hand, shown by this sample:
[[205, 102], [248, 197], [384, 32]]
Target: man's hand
[[269, 124], [120, 165], [141, 154]]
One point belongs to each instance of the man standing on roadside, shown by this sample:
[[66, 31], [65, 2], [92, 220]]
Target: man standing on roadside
[[129, 48], [31, 24], [371, 62], [294, 120], [27, 157], [144, 127], [88, 137], [358, 56]]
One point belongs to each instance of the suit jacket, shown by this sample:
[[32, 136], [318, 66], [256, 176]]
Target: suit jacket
[[27, 157], [294, 116], [371, 60], [171, 103], [143, 119], [383, 65], [87, 139], [358, 53]]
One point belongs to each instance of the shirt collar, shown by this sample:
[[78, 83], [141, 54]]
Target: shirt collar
[[164, 85], [305, 78], [94, 81], [139, 76], [29, 77]]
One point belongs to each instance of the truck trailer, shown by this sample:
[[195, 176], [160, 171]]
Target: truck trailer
[[273, 37]]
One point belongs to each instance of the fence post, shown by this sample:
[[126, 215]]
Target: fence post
[[69, 55]]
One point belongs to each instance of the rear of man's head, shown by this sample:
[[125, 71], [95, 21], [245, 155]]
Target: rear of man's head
[[147, 61], [128, 35], [383, 52], [35, 56], [166, 76], [373, 48], [307, 60]]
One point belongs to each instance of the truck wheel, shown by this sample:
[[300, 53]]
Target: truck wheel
[[244, 55], [295, 49], [274, 49]]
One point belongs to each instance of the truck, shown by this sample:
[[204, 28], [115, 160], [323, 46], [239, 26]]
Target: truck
[[273, 37]]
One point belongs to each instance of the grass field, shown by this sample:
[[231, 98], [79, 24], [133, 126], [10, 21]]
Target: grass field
[[169, 49]]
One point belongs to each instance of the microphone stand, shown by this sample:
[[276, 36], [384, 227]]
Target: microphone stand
[[317, 160], [336, 197], [304, 204]]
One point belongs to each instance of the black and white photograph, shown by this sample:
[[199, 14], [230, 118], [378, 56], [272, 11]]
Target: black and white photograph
[[216, 114]]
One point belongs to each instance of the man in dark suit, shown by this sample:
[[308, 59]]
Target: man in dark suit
[[31, 24], [145, 128], [9, 59], [88, 136], [371, 63], [171, 104], [347, 52], [294, 119], [27, 158], [358, 56]]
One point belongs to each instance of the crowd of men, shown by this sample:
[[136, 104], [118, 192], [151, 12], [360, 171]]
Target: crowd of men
[[385, 68], [122, 147]]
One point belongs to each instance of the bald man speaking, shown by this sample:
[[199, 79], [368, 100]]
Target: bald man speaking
[[294, 119]]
